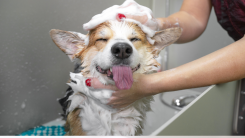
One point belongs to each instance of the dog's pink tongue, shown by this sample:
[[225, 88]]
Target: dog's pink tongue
[[123, 76]]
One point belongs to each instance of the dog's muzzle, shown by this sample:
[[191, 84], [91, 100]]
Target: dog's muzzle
[[120, 70], [109, 73]]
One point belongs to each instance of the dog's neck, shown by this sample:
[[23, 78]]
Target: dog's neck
[[78, 65]]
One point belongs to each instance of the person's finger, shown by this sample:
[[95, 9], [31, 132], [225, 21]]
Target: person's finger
[[116, 94], [96, 84], [116, 103], [112, 100], [122, 105], [142, 19]]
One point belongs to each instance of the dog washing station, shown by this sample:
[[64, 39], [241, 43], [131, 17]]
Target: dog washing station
[[33, 72], [210, 113], [200, 111]]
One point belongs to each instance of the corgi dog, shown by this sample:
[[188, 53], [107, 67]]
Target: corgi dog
[[111, 52]]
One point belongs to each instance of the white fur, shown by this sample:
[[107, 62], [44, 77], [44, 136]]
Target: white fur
[[76, 102], [101, 95], [99, 119], [121, 32]]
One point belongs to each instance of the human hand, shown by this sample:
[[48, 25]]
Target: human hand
[[152, 23], [96, 84], [123, 98]]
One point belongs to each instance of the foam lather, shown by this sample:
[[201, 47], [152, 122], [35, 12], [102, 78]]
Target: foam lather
[[129, 7], [123, 77]]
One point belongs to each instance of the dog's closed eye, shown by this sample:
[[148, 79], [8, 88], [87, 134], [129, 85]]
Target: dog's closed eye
[[102, 40], [134, 39]]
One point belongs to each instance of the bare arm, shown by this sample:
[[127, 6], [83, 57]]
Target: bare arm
[[192, 18], [224, 65]]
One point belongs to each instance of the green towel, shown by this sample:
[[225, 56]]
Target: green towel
[[45, 131]]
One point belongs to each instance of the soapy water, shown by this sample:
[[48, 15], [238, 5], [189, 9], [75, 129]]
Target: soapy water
[[129, 7], [170, 23]]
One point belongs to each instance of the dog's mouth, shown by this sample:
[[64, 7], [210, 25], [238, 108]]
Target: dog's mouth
[[109, 71], [121, 74]]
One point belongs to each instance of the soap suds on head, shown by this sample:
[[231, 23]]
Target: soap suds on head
[[129, 7], [149, 33]]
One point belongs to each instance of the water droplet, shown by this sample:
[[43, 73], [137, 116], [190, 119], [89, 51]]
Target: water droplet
[[58, 119], [16, 113], [23, 105], [175, 112], [44, 86]]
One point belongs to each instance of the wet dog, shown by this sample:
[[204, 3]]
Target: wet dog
[[112, 52]]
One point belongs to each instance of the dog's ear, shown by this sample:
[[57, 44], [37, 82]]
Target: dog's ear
[[68, 42], [165, 38]]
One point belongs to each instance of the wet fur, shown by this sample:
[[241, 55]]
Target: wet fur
[[103, 121], [144, 48]]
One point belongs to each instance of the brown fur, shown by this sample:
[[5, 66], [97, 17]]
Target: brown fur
[[143, 46], [73, 125]]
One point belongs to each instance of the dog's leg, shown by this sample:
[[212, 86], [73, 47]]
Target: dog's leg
[[73, 124]]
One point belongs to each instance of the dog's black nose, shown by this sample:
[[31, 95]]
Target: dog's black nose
[[121, 50]]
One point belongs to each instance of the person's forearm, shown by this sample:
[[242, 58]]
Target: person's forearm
[[224, 65], [192, 18]]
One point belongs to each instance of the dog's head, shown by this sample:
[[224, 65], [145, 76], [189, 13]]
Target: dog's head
[[115, 50]]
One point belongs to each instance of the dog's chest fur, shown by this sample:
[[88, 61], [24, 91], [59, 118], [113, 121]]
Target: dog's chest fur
[[96, 120]]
